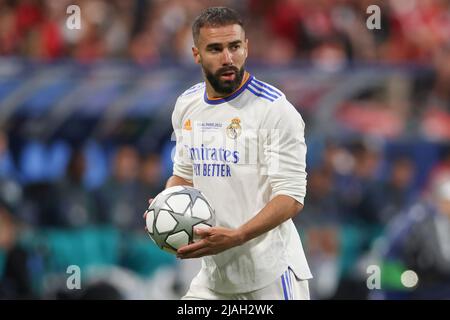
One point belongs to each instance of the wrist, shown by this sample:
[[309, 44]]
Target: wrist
[[240, 237]]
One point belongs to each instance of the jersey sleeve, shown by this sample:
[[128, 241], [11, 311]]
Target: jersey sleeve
[[182, 164], [285, 150]]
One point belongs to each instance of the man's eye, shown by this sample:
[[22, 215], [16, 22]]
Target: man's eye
[[235, 47]]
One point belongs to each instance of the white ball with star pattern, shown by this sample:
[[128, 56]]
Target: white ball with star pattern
[[174, 213]]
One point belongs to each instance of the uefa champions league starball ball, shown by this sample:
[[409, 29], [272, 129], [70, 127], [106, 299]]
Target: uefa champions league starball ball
[[171, 217]]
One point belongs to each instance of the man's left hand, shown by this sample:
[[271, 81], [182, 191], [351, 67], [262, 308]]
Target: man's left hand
[[213, 241]]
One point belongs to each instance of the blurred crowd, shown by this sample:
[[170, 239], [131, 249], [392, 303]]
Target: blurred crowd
[[49, 222], [365, 205], [331, 32], [369, 201]]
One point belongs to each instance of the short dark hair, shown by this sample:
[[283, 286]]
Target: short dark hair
[[215, 17]]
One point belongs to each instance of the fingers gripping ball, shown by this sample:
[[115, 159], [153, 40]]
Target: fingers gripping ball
[[172, 215]]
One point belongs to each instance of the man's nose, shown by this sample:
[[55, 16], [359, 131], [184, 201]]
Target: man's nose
[[227, 57]]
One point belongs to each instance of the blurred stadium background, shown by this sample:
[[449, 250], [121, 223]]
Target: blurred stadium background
[[85, 140]]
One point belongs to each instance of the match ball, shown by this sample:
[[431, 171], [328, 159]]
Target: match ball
[[171, 217]]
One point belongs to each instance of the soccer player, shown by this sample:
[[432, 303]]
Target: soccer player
[[241, 143]]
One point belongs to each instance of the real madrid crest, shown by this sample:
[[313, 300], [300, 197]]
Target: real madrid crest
[[234, 128]]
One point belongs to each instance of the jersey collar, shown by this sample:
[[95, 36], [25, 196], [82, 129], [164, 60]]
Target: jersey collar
[[231, 96]]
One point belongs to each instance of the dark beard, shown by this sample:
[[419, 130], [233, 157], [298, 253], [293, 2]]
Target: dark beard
[[225, 87]]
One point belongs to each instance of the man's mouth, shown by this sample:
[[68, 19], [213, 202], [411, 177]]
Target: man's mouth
[[228, 75]]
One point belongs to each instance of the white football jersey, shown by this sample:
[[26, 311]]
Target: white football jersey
[[241, 151]]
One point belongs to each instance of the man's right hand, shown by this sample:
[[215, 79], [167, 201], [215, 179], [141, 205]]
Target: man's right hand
[[149, 203]]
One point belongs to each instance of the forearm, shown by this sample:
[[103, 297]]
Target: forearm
[[177, 181], [277, 211], [217, 239]]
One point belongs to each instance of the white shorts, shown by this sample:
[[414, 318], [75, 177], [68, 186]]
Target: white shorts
[[287, 287]]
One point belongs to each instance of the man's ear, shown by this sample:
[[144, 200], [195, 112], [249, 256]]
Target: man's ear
[[196, 55], [246, 48]]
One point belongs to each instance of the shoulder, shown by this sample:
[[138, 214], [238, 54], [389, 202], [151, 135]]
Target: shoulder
[[274, 99], [277, 107], [193, 91], [264, 91], [189, 97]]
